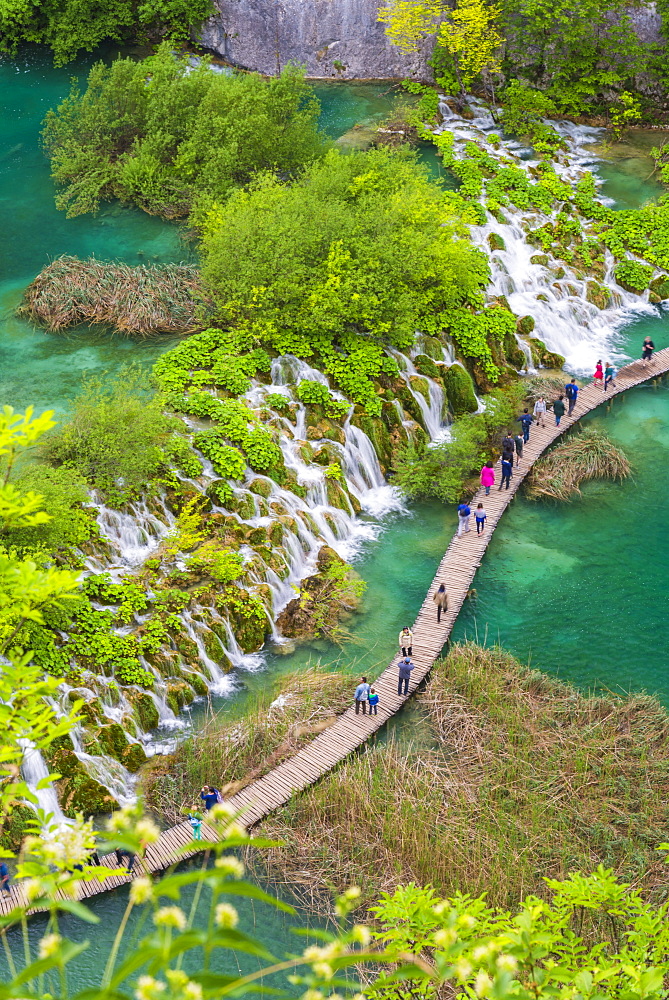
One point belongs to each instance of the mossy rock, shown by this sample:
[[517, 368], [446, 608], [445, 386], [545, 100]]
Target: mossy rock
[[243, 504], [91, 713], [377, 432], [560, 273], [337, 495], [542, 357], [197, 682], [111, 738], [421, 385], [433, 348], [260, 486], [460, 391], [325, 455], [539, 258], [257, 536], [599, 295], [660, 286], [496, 242], [513, 351], [219, 491], [249, 629], [15, 826], [178, 694], [327, 557], [77, 791], [275, 533], [541, 297], [426, 366], [306, 452], [525, 325], [133, 757], [390, 416], [411, 406]]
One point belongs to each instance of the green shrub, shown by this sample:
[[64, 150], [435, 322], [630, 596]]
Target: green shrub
[[632, 275], [220, 564], [63, 492], [165, 136], [227, 461]]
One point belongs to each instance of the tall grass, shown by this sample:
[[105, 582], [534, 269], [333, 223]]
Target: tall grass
[[229, 753], [588, 454], [527, 778], [142, 300]]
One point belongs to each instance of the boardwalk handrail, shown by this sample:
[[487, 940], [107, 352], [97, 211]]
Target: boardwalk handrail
[[457, 570]]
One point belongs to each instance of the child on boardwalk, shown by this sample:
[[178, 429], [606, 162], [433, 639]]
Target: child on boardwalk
[[373, 702], [480, 516], [195, 820]]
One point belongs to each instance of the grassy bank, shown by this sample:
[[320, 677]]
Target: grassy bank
[[526, 779], [588, 454], [233, 752]]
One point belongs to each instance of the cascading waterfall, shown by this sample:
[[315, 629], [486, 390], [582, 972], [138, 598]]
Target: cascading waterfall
[[34, 770], [554, 295]]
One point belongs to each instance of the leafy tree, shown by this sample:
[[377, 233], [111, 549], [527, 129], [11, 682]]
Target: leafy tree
[[115, 436], [408, 21], [63, 492], [70, 26], [165, 136], [361, 251], [469, 33]]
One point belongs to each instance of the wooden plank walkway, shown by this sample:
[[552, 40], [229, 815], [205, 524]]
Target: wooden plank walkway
[[457, 570]]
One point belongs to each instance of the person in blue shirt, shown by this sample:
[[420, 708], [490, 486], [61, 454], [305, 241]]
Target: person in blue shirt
[[507, 471], [209, 796], [373, 702], [406, 666], [464, 511], [571, 392], [4, 877], [526, 419], [362, 697]]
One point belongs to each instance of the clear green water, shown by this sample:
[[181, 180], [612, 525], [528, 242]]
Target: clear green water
[[269, 925], [37, 367], [628, 169]]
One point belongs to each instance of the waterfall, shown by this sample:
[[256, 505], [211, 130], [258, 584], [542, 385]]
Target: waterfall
[[133, 534], [433, 409], [34, 770], [565, 320]]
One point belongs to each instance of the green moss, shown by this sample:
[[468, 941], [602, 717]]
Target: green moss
[[541, 356], [660, 286], [421, 385], [539, 258], [495, 242], [426, 366], [513, 352], [460, 391], [276, 533], [178, 694], [112, 739], [525, 325], [260, 486], [77, 791], [599, 295], [133, 757]]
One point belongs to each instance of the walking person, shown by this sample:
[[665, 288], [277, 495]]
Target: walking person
[[558, 410], [609, 374], [647, 350], [464, 510], [209, 796], [480, 516], [540, 411], [598, 376], [526, 419], [362, 696], [441, 600], [487, 477], [507, 472], [518, 441], [508, 448], [406, 641], [406, 666], [571, 390], [373, 702], [4, 877]]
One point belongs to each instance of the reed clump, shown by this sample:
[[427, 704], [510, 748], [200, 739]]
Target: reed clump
[[231, 752], [143, 300], [548, 387], [525, 778], [587, 454]]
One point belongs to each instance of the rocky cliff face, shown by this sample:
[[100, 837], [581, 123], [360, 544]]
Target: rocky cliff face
[[335, 39]]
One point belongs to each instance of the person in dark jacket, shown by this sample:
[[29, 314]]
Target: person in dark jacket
[[507, 470], [647, 350], [441, 600], [209, 796], [4, 877], [571, 392], [508, 448], [558, 410], [526, 419], [406, 666], [518, 441]]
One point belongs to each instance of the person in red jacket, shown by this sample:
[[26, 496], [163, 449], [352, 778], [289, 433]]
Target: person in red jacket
[[487, 477]]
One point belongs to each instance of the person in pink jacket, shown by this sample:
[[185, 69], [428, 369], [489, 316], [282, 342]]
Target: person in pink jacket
[[487, 477]]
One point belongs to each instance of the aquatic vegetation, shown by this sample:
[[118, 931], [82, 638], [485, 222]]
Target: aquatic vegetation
[[143, 300], [507, 777], [586, 454], [170, 137]]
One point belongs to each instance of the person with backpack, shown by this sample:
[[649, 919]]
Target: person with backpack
[[525, 419], [571, 391], [518, 441], [508, 448], [558, 410], [609, 373], [210, 796], [507, 472], [195, 820], [464, 512], [373, 702]]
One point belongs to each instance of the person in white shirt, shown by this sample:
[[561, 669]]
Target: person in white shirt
[[406, 641], [540, 411]]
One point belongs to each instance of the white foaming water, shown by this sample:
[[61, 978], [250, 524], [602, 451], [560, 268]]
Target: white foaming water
[[432, 410], [34, 770], [564, 318], [133, 534]]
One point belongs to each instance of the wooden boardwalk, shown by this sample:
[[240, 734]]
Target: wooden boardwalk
[[456, 570]]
